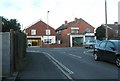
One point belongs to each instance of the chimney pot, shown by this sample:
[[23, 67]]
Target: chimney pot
[[76, 18], [66, 22]]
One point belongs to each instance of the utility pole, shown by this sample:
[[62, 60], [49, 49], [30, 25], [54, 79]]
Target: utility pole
[[106, 19]]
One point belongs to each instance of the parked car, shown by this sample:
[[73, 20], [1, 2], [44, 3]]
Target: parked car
[[108, 50], [96, 45], [91, 43]]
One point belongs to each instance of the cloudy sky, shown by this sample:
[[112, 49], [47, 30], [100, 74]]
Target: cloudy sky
[[28, 12]]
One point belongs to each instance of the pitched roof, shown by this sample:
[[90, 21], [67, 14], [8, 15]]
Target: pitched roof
[[65, 26], [40, 22], [113, 26]]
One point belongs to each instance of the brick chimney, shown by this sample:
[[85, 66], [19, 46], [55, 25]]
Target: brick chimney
[[66, 22]]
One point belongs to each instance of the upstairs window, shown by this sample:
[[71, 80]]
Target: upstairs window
[[74, 30], [33, 32], [87, 30], [48, 32], [59, 32]]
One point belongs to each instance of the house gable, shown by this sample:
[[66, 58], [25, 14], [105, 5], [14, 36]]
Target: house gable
[[40, 28]]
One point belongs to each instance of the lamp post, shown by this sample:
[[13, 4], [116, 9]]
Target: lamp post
[[47, 31], [106, 20]]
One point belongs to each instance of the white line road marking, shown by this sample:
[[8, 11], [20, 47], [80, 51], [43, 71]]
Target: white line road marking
[[33, 51], [76, 56], [59, 63], [60, 66], [87, 52], [63, 71]]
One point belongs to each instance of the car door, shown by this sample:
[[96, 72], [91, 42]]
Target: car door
[[110, 51], [101, 50]]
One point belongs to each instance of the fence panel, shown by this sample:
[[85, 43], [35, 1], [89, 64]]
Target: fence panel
[[5, 54]]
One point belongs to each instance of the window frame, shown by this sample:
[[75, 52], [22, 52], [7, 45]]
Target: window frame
[[33, 31], [74, 30], [86, 30]]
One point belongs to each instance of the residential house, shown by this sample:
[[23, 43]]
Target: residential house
[[75, 33], [40, 33]]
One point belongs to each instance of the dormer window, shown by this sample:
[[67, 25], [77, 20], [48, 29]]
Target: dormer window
[[74, 30]]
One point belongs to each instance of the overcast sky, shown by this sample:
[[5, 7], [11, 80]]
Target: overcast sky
[[28, 12]]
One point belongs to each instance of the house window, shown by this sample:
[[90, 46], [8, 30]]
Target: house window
[[47, 41], [33, 32], [74, 30], [48, 32], [87, 30], [59, 32]]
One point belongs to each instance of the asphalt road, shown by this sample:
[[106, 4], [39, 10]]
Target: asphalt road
[[78, 63]]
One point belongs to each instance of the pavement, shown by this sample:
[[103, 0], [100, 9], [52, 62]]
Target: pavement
[[40, 67]]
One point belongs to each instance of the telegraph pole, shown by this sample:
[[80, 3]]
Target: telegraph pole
[[106, 20]]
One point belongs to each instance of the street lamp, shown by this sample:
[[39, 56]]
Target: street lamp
[[106, 19], [47, 30]]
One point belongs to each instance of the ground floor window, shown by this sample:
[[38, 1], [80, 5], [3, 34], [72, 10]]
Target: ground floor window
[[34, 42], [47, 41]]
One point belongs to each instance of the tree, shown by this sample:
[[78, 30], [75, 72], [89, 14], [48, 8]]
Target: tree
[[10, 24], [100, 33]]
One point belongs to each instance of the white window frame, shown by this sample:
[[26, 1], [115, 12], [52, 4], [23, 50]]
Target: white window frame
[[33, 32], [47, 31], [74, 28]]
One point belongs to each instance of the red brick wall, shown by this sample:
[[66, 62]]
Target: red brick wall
[[82, 26], [40, 28]]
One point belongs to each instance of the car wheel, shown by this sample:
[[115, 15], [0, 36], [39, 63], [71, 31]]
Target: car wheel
[[96, 58], [118, 61]]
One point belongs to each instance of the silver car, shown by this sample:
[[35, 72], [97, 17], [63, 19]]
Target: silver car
[[90, 43]]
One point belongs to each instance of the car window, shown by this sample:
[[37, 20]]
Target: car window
[[109, 45], [102, 44]]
